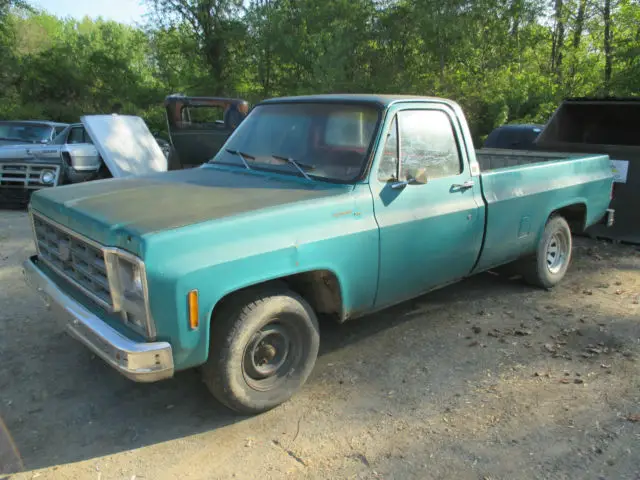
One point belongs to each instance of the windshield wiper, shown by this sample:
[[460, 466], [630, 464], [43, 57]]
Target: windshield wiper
[[298, 165], [243, 156]]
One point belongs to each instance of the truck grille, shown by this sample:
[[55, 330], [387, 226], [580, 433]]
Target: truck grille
[[79, 260], [27, 175]]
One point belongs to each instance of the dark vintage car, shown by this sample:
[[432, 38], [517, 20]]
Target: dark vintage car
[[199, 126], [513, 137], [17, 132]]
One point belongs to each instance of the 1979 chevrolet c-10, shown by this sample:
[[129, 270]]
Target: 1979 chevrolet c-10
[[328, 205]]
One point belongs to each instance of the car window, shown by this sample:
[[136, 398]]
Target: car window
[[25, 132], [389, 160], [494, 139], [427, 145], [204, 117], [76, 135]]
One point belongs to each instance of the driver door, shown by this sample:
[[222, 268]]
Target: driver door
[[426, 203]]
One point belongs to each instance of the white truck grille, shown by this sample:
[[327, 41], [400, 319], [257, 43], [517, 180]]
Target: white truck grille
[[27, 175], [78, 259]]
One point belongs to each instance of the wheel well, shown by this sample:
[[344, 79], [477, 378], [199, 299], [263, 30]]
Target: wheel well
[[320, 288], [575, 215]]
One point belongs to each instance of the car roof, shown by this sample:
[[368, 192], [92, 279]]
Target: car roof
[[187, 100], [36, 122], [382, 100], [520, 126]]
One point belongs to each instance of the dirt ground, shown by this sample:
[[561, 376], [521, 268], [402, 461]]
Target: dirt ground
[[488, 379]]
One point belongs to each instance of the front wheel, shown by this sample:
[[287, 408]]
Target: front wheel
[[553, 255], [263, 348]]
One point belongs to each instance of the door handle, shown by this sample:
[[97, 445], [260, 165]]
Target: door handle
[[463, 186]]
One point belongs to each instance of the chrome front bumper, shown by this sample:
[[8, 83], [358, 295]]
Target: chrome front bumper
[[139, 361]]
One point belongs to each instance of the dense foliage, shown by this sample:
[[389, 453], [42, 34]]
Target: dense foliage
[[503, 60]]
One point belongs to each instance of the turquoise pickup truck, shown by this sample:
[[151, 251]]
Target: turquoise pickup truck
[[320, 206]]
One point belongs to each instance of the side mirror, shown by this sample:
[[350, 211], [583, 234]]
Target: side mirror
[[420, 178]]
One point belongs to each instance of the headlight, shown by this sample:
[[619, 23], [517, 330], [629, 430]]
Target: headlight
[[128, 283], [47, 177], [130, 279]]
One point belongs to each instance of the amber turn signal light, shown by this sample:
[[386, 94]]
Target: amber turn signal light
[[192, 300]]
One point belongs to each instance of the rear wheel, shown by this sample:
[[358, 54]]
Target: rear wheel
[[553, 255], [263, 348]]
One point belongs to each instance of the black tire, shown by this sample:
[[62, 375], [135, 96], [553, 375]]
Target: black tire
[[103, 172], [281, 329], [547, 269]]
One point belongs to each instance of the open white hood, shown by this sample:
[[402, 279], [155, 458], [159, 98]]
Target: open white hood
[[125, 144]]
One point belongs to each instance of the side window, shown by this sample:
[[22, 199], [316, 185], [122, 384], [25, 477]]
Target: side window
[[427, 145], [203, 117], [389, 161], [76, 135]]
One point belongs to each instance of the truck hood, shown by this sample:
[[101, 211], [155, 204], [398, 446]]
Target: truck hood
[[125, 144], [110, 210]]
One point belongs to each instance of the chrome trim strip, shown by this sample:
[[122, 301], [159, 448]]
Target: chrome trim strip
[[139, 361]]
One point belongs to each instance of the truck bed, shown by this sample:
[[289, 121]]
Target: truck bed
[[495, 158], [520, 188]]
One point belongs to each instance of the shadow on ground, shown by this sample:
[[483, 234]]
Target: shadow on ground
[[111, 414], [63, 405]]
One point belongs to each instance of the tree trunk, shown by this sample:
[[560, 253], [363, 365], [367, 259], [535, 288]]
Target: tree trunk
[[558, 40], [515, 11], [608, 40], [214, 53], [577, 36], [577, 31]]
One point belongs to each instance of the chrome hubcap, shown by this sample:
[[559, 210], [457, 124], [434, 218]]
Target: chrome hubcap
[[557, 250]]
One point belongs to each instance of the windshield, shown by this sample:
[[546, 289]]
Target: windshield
[[24, 132], [330, 141]]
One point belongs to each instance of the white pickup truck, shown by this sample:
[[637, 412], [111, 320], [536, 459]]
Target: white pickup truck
[[101, 146]]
